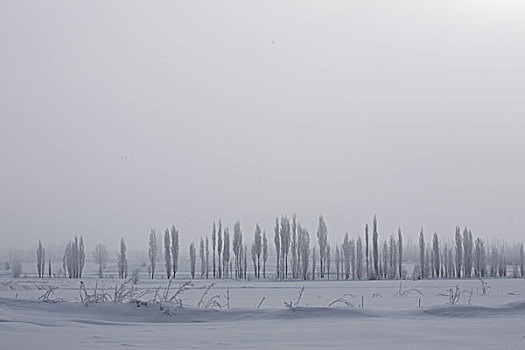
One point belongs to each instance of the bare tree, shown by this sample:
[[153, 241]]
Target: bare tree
[[467, 253], [459, 253], [322, 239], [40, 259], [285, 245], [314, 259], [304, 249], [328, 260], [152, 251], [237, 249], [295, 270], [219, 248], [254, 259], [15, 262], [193, 259], [400, 254], [74, 258], [265, 253], [207, 257], [101, 255], [257, 246], [367, 250], [245, 264], [226, 254], [422, 254], [167, 253], [346, 256], [81, 257], [213, 244], [175, 249], [203, 258], [479, 259], [277, 242], [375, 248], [359, 258], [522, 261], [337, 262], [122, 261], [435, 255]]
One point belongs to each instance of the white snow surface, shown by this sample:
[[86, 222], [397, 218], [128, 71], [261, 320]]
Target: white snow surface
[[387, 321]]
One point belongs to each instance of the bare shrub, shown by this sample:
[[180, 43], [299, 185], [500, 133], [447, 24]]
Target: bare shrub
[[292, 306], [406, 292], [343, 300], [46, 296]]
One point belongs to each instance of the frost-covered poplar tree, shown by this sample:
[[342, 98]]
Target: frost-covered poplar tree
[[451, 262], [304, 249], [203, 258], [285, 245], [277, 242], [359, 258], [522, 261], [101, 255], [152, 252], [346, 256], [385, 259], [226, 271], [219, 248], [40, 259], [81, 257], [257, 246], [314, 259], [254, 259], [175, 249], [494, 262], [337, 261], [502, 261], [245, 265], [15, 262], [467, 253], [328, 260], [193, 259], [167, 253], [295, 269], [352, 258], [207, 258], [479, 259], [392, 257], [459, 253], [367, 250], [237, 248], [422, 254], [213, 244], [427, 261], [322, 240], [400, 253], [122, 260], [264, 253], [375, 248], [435, 250]]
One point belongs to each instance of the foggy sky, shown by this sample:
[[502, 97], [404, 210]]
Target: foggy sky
[[119, 116]]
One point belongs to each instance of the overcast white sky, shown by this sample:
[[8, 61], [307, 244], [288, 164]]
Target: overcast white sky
[[117, 116]]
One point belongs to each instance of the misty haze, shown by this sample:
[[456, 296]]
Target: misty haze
[[262, 174]]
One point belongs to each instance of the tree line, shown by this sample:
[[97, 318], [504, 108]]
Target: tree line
[[297, 255]]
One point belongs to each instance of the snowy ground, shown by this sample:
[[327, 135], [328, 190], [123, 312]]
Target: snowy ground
[[387, 321]]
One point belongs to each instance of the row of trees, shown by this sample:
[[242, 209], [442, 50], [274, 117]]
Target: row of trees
[[466, 258], [297, 257]]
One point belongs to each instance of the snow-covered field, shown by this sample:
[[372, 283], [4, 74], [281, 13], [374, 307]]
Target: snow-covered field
[[495, 320]]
